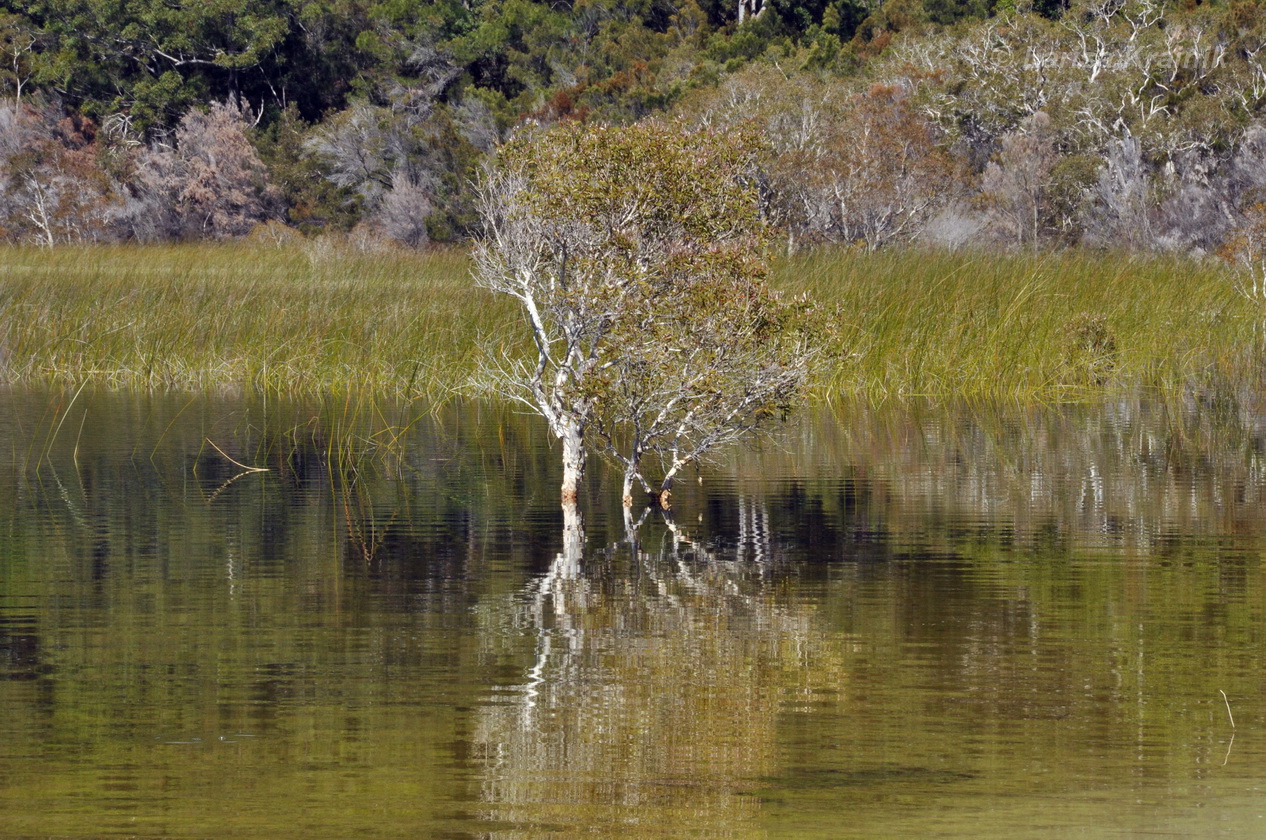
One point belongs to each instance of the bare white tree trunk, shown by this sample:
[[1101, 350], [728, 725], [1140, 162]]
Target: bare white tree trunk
[[573, 540], [625, 351], [755, 8], [628, 489], [632, 475], [666, 486], [39, 212], [572, 434], [19, 45]]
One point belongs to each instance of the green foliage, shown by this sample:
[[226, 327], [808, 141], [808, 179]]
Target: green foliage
[[1072, 180], [671, 177], [153, 59], [160, 101], [455, 162], [946, 12], [313, 203], [1184, 82], [18, 43], [638, 257], [156, 56]]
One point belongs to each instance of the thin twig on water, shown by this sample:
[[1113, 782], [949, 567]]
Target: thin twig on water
[[1228, 707], [232, 461]]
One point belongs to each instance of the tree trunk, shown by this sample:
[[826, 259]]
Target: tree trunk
[[572, 435], [573, 541], [666, 486], [632, 473], [630, 527], [665, 492]]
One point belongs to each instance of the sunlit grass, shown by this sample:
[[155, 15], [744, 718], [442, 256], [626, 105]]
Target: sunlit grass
[[1048, 327], [195, 317], [304, 319]]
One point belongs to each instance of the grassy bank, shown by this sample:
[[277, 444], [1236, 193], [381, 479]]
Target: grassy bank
[[195, 317], [1029, 326], [303, 319]]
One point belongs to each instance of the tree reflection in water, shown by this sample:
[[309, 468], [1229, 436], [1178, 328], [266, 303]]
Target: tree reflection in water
[[654, 690]]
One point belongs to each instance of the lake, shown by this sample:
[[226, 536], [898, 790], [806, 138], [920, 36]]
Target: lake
[[961, 622]]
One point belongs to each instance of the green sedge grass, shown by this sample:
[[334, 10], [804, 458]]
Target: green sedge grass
[[301, 320]]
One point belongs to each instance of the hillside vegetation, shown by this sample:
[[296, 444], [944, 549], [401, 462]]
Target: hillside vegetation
[[1129, 124]]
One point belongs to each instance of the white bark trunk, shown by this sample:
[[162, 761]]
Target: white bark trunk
[[572, 435], [628, 489], [754, 8], [573, 541], [666, 486], [633, 474], [630, 527]]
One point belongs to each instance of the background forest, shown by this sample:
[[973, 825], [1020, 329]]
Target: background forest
[[1137, 124]]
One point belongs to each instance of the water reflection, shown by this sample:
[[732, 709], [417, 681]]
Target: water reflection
[[897, 623], [1126, 474], [658, 672]]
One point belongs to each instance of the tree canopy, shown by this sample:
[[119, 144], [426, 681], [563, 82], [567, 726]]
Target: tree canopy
[[638, 257]]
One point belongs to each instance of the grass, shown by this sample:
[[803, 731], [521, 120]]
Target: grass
[[303, 320], [1032, 327], [289, 320]]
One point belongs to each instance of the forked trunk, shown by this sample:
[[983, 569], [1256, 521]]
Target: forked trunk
[[632, 526], [666, 486], [633, 473]]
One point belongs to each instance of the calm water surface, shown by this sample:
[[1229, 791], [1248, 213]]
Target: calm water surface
[[898, 623]]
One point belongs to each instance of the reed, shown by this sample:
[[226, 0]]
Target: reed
[[1032, 327], [306, 319], [296, 320]]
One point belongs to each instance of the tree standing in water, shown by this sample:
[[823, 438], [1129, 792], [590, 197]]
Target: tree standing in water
[[638, 256]]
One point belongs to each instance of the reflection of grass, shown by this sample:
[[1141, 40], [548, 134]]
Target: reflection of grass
[[280, 320], [304, 319]]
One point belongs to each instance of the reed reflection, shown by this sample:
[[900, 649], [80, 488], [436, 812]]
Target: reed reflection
[[1129, 474], [652, 689]]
